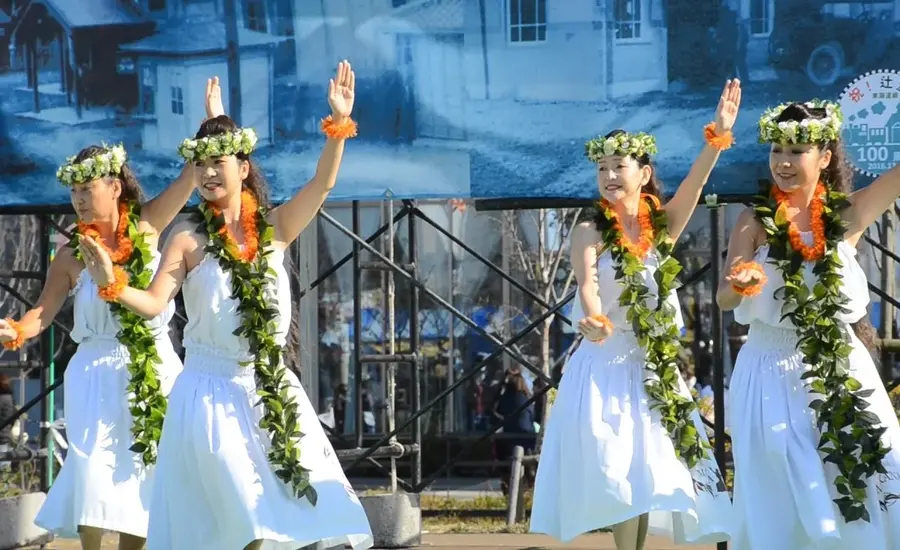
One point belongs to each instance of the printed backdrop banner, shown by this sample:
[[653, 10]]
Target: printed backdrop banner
[[455, 98]]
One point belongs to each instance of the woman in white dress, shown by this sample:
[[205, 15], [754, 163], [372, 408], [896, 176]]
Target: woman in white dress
[[804, 380], [244, 462], [123, 363], [625, 446]]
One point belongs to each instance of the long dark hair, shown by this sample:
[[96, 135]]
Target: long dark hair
[[254, 182], [838, 176], [5, 384], [131, 189]]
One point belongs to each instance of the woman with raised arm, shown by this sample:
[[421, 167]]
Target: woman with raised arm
[[243, 459], [116, 383], [624, 440], [814, 436]]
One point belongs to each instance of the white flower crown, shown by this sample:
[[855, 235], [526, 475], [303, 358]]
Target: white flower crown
[[109, 162], [807, 131], [240, 141], [624, 144]]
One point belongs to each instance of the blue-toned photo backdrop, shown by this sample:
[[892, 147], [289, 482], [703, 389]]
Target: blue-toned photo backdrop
[[455, 98]]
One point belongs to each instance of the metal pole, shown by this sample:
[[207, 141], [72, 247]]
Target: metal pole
[[888, 239], [51, 374], [515, 477], [718, 339], [392, 347], [357, 331], [416, 476], [450, 422], [47, 359]]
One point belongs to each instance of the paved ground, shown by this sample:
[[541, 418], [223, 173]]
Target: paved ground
[[483, 542]]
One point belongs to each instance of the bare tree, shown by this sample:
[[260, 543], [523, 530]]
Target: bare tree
[[539, 247]]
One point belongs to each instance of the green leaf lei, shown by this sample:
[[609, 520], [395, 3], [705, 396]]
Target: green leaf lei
[[250, 285], [656, 330], [146, 401], [850, 435]]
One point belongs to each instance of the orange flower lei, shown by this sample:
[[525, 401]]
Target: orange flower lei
[[761, 279], [13, 345], [343, 130], [249, 207], [716, 141], [645, 241], [816, 250], [124, 246]]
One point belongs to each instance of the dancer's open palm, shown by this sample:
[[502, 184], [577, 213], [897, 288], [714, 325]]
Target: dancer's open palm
[[214, 106], [97, 261], [342, 90], [729, 104], [746, 278]]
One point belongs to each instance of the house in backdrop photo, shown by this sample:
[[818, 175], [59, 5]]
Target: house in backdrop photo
[[457, 98]]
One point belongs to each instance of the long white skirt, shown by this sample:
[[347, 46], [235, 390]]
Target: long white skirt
[[215, 488], [782, 490], [606, 458], [102, 483]]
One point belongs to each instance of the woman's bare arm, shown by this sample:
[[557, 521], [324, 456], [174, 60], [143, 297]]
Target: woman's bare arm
[[741, 248]]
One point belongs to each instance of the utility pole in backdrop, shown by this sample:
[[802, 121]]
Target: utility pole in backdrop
[[232, 49]]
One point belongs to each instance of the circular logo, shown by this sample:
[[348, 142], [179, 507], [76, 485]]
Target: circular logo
[[871, 130]]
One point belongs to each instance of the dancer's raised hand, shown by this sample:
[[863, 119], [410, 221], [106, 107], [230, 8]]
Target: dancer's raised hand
[[97, 261], [729, 104], [342, 91], [214, 106]]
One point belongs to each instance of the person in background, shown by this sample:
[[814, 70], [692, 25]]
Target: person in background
[[518, 427], [7, 410]]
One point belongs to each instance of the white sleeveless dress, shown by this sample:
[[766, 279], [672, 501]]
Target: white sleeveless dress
[[102, 483], [782, 491], [606, 458], [215, 489]]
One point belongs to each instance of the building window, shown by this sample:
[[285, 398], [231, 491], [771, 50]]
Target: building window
[[177, 100], [255, 15], [628, 14], [156, 5], [527, 20], [761, 17], [148, 90]]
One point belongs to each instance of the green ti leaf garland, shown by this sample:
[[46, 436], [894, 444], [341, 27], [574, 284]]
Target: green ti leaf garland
[[146, 401], [656, 330], [850, 435], [251, 286]]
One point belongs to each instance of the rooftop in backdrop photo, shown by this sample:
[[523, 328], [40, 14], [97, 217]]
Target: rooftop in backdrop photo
[[484, 99]]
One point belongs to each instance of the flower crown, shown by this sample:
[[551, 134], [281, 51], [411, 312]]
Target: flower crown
[[108, 162], [807, 131], [240, 141], [624, 144]]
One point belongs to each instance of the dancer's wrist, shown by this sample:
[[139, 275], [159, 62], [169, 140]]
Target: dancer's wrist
[[114, 289], [717, 138]]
